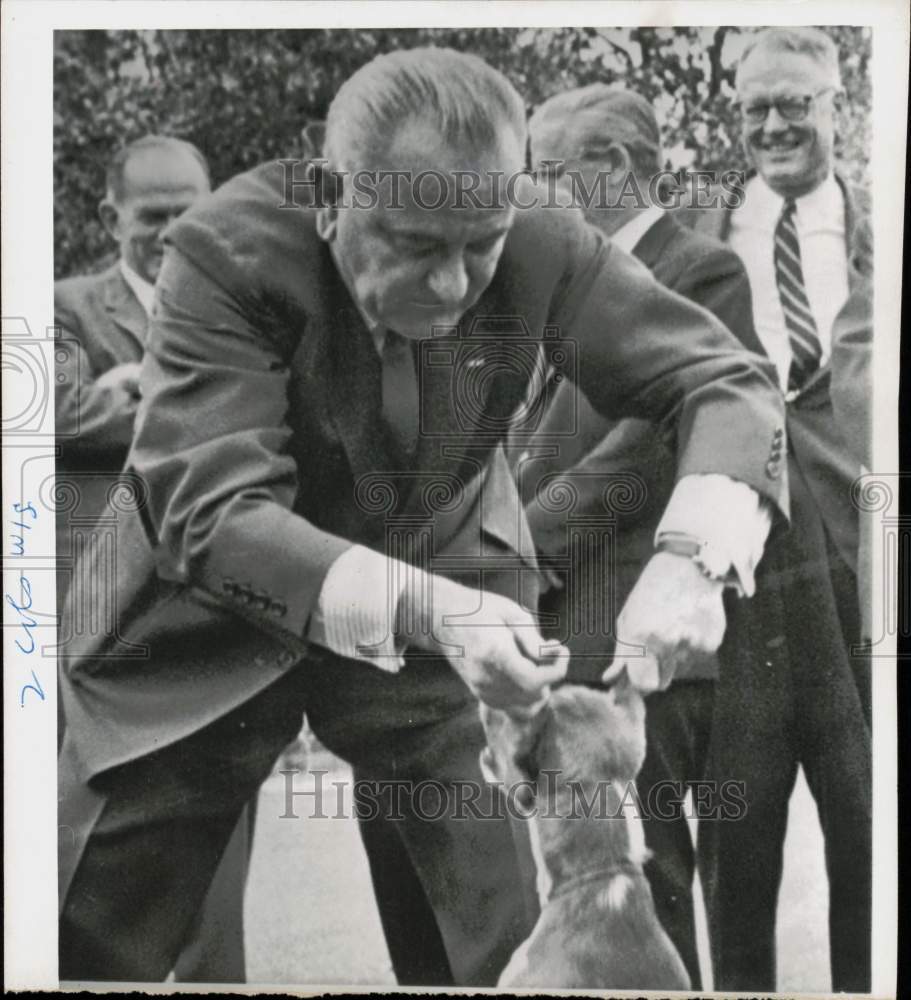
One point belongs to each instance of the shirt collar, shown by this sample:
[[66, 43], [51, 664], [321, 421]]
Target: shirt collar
[[629, 234], [823, 202], [142, 289]]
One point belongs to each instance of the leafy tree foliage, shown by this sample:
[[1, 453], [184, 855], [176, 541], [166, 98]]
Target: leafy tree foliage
[[243, 96]]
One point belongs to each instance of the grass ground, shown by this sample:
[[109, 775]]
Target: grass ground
[[311, 918]]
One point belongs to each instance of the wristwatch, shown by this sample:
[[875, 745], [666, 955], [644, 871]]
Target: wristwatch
[[713, 564]]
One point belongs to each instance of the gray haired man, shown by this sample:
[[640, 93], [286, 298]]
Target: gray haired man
[[315, 474]]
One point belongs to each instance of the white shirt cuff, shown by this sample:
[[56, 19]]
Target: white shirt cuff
[[725, 513], [355, 613]]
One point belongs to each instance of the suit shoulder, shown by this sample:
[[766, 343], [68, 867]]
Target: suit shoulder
[[82, 294], [247, 231], [707, 252], [79, 287]]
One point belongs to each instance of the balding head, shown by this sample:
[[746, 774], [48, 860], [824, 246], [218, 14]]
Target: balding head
[[608, 147], [586, 122], [149, 183]]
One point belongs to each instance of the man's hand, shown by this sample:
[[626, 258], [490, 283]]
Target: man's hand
[[125, 377], [674, 611], [491, 642]]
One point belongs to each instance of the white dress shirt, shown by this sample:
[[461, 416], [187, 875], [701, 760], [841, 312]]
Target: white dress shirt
[[142, 289], [629, 234], [355, 611], [820, 222]]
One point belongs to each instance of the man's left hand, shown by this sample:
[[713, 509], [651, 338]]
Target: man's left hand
[[674, 611]]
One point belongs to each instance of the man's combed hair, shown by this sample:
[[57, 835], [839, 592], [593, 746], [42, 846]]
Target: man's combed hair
[[798, 41], [116, 171], [469, 101]]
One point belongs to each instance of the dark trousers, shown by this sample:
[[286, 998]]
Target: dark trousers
[[678, 730], [789, 694], [144, 841], [455, 891], [151, 833], [213, 951]]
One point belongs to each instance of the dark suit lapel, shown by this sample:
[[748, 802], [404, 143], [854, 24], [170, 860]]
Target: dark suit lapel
[[123, 307], [341, 363], [652, 244]]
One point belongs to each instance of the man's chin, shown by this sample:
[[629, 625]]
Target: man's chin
[[417, 327], [783, 173]]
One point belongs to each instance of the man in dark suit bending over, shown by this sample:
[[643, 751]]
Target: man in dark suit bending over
[[317, 469]]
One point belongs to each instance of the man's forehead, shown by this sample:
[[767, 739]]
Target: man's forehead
[[418, 144], [162, 173], [446, 223], [780, 73]]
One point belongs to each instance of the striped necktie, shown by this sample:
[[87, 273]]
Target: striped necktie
[[401, 405], [806, 351]]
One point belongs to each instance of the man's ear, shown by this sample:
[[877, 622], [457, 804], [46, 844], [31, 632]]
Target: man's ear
[[619, 162], [110, 218], [312, 137], [488, 766], [327, 222]]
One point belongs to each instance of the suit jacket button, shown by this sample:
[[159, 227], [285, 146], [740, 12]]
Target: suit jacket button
[[229, 586], [261, 600], [278, 608]]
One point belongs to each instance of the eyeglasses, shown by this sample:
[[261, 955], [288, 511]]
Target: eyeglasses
[[790, 109]]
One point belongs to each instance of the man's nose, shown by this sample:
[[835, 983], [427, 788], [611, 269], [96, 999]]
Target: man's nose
[[169, 218], [774, 123], [448, 280]]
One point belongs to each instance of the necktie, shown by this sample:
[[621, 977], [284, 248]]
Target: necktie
[[401, 410], [806, 351]]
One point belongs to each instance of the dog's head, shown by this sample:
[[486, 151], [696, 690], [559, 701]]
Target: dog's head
[[580, 735]]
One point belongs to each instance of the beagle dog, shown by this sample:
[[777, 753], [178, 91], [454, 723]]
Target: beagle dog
[[569, 766]]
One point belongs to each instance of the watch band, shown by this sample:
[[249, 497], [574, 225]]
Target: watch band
[[702, 554]]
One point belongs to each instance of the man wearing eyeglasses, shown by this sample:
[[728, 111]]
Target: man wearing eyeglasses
[[793, 693]]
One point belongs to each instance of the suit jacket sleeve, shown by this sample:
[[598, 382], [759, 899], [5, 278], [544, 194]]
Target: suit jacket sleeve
[[644, 351], [211, 444], [90, 417], [852, 383]]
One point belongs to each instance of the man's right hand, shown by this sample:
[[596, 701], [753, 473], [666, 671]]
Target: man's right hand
[[491, 642], [125, 377]]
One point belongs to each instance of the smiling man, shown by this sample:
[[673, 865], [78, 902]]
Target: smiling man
[[797, 693], [105, 318], [332, 526]]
